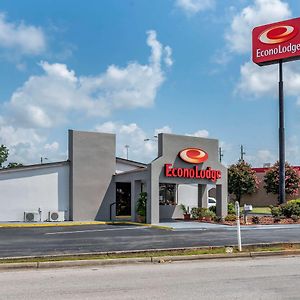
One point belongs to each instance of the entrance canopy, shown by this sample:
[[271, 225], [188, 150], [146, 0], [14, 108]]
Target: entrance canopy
[[182, 160]]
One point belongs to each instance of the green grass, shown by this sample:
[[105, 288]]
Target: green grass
[[208, 251], [260, 210]]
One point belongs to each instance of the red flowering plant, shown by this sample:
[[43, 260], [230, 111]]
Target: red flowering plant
[[292, 180], [242, 180]]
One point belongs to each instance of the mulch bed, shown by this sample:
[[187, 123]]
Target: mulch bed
[[262, 221]]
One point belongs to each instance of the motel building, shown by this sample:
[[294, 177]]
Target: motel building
[[94, 184]]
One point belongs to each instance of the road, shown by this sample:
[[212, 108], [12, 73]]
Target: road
[[259, 278], [103, 238]]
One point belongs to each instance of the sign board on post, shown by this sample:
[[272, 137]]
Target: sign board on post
[[276, 42]]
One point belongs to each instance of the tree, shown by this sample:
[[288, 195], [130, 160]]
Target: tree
[[3, 155], [242, 180], [292, 180]]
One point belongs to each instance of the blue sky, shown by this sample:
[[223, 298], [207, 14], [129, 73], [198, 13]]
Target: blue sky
[[138, 67]]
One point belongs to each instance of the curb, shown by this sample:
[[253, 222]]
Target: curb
[[137, 260], [70, 224]]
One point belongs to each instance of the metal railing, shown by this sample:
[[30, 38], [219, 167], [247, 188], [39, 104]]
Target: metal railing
[[110, 210]]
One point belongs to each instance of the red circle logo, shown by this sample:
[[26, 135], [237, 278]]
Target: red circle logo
[[193, 155], [278, 34]]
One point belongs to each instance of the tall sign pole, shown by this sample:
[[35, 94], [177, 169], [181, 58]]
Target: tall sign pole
[[277, 43], [281, 138]]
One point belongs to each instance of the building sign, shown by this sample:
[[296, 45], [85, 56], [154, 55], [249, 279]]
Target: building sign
[[193, 156], [194, 173], [276, 41]]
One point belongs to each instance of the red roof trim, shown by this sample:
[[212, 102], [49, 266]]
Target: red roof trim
[[263, 170]]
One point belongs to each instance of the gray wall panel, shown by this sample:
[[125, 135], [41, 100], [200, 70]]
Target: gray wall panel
[[93, 163]]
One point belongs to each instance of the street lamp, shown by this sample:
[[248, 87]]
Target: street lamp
[[43, 158], [127, 148], [154, 139]]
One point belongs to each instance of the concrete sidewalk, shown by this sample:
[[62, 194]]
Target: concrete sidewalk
[[178, 225], [186, 225]]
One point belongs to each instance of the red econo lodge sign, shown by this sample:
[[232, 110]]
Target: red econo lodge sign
[[193, 156], [274, 42]]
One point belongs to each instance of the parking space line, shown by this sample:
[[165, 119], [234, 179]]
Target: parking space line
[[95, 230]]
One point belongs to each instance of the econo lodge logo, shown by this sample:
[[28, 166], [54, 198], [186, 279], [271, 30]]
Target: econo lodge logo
[[193, 155], [276, 42], [278, 34]]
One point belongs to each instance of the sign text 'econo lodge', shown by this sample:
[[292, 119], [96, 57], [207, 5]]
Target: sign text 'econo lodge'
[[274, 42]]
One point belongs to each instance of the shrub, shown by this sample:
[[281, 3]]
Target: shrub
[[297, 201], [276, 211], [230, 218], [271, 180], [255, 220], [195, 212], [213, 209], [208, 214], [218, 219], [295, 218], [141, 204], [231, 208], [290, 208]]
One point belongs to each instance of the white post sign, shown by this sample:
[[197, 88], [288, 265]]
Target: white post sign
[[238, 225]]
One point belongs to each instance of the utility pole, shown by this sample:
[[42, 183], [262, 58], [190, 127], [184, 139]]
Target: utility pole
[[127, 147], [242, 153], [220, 154], [281, 139]]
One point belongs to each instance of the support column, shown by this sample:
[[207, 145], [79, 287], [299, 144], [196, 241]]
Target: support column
[[152, 199], [135, 193], [202, 195], [221, 197]]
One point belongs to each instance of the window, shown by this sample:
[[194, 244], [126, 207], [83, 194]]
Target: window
[[167, 194]]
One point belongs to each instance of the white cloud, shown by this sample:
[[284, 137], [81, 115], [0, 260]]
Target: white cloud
[[168, 56], [27, 146], [48, 100], [254, 80], [134, 136], [200, 133], [22, 38], [52, 147], [195, 6], [261, 81], [238, 37], [293, 150], [164, 129]]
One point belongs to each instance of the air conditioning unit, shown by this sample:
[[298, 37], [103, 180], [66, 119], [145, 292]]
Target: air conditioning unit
[[31, 216], [56, 216]]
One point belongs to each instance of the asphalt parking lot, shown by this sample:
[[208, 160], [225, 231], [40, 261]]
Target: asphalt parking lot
[[15, 242]]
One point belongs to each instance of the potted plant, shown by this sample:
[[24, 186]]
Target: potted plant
[[208, 215], [141, 207], [186, 212], [201, 213]]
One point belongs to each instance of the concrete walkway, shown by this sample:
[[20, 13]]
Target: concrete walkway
[[186, 226]]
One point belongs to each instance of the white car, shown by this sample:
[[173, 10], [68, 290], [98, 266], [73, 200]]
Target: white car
[[211, 202]]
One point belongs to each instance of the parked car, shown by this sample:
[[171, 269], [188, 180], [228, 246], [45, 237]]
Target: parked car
[[211, 202]]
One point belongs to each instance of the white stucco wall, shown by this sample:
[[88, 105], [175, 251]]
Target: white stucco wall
[[188, 194], [30, 189], [124, 167]]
